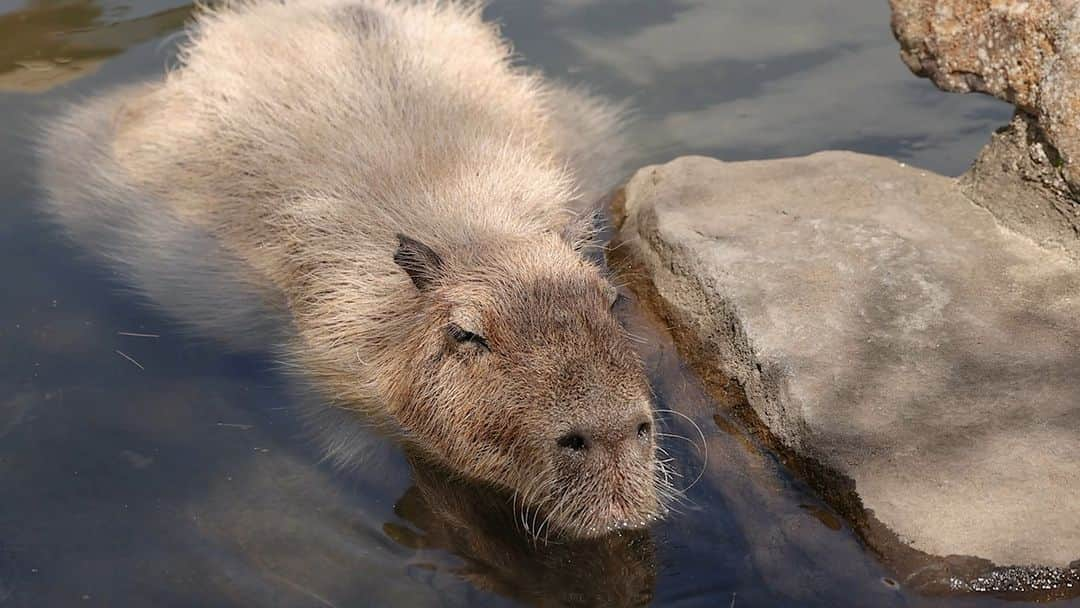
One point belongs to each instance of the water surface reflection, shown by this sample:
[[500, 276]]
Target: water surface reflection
[[486, 531], [49, 42]]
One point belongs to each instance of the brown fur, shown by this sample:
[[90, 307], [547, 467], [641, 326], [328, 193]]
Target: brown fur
[[289, 162]]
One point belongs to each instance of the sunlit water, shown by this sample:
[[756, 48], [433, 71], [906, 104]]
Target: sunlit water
[[139, 467]]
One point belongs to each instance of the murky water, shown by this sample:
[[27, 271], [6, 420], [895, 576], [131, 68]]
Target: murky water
[[139, 467]]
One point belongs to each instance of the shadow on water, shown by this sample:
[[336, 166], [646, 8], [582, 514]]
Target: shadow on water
[[144, 467]]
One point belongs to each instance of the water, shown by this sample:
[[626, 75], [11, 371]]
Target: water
[[158, 470]]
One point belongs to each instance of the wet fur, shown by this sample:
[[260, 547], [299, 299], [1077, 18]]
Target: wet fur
[[268, 179]]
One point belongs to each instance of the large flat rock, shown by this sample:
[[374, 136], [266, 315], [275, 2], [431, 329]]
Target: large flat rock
[[884, 326]]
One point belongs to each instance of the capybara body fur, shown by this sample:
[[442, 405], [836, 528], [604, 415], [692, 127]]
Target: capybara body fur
[[404, 199]]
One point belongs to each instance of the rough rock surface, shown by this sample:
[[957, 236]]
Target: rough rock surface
[[1017, 178], [1026, 52], [886, 327]]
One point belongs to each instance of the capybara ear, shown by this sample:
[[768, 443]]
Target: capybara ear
[[421, 262]]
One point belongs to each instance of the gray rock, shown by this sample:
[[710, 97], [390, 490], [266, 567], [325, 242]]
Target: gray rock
[[887, 328]]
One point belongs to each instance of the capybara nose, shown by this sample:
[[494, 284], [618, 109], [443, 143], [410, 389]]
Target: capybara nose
[[575, 442], [609, 434]]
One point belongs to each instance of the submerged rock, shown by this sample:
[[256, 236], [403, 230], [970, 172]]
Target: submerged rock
[[888, 332], [1028, 54]]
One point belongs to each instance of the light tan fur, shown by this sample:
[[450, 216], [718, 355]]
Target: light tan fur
[[275, 170]]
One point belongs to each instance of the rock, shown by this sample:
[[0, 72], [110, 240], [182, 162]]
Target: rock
[[1017, 178], [887, 331], [1000, 47], [1024, 52]]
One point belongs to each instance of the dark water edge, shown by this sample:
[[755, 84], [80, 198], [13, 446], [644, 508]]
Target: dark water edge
[[165, 471]]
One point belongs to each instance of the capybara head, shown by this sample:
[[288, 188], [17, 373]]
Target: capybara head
[[517, 373]]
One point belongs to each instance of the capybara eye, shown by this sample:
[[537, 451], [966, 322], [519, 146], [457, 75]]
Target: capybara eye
[[462, 336], [619, 300], [643, 429], [573, 441]]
